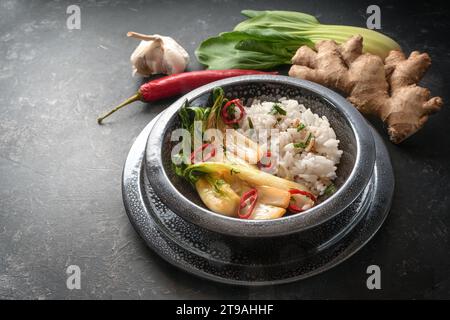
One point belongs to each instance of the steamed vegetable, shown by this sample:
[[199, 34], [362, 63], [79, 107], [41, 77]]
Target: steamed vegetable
[[264, 212], [274, 196], [250, 175], [217, 196], [214, 119], [271, 38], [262, 195], [239, 145]]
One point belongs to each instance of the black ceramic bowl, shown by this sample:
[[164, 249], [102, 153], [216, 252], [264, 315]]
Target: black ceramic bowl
[[354, 171]]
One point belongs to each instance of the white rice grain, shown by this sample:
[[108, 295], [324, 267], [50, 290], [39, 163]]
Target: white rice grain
[[315, 168]]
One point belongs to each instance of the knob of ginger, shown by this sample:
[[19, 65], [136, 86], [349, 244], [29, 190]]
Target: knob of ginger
[[387, 89]]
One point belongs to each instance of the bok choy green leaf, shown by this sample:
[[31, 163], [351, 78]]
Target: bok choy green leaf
[[270, 38]]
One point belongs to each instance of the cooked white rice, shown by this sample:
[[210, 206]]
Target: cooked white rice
[[315, 168]]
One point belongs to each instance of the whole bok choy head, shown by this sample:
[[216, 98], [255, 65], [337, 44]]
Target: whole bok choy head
[[270, 38]]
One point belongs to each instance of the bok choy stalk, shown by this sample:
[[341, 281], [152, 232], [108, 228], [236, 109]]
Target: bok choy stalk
[[208, 116], [271, 38], [214, 120], [223, 187], [188, 115], [252, 176], [217, 195]]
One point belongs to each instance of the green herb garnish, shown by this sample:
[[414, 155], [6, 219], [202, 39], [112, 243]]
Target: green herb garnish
[[231, 110], [179, 169], [300, 127], [217, 184], [276, 109], [234, 171], [304, 144], [300, 145], [184, 116], [250, 123], [330, 189], [220, 182]]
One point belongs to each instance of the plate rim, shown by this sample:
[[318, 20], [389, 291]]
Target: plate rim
[[134, 166]]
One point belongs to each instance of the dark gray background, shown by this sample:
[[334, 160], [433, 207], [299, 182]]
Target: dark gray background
[[60, 173]]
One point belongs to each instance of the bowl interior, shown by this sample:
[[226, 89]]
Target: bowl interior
[[267, 91]]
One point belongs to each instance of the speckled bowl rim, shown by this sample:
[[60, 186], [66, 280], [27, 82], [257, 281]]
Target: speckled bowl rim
[[346, 194]]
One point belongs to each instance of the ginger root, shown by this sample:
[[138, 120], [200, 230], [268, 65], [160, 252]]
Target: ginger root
[[386, 89]]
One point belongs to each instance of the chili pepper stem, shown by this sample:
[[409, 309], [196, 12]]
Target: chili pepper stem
[[131, 99]]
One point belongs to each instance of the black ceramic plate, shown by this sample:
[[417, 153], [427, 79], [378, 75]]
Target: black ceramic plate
[[246, 261]]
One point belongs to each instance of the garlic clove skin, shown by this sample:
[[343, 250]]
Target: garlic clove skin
[[175, 58], [157, 54], [146, 58]]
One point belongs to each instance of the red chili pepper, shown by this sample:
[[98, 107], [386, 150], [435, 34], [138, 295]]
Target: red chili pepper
[[265, 166], [295, 208], [249, 196], [177, 84], [226, 117], [208, 156]]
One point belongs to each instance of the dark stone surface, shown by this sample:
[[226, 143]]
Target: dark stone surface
[[60, 197]]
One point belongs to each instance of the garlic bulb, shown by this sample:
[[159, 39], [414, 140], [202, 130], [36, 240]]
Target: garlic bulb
[[157, 54]]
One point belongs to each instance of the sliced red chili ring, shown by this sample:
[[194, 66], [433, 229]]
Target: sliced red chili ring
[[305, 193], [295, 208], [248, 199], [206, 157], [227, 119], [267, 165]]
